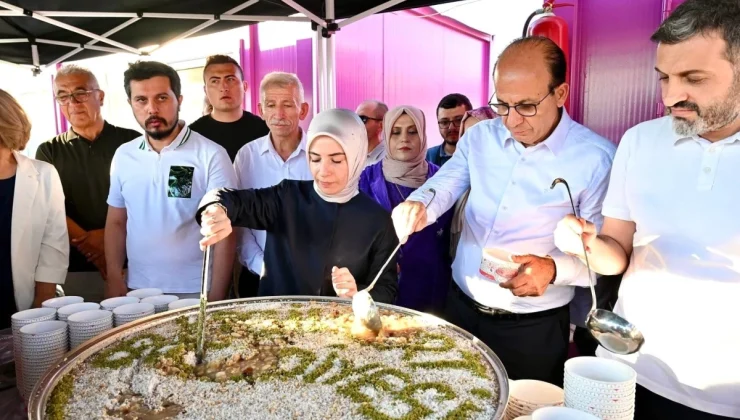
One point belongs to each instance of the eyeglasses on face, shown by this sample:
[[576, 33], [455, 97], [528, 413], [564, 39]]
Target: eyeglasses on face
[[525, 110], [78, 95], [456, 122], [365, 119]]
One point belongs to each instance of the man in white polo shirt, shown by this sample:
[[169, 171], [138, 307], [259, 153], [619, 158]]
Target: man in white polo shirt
[[157, 181], [671, 214], [266, 161]]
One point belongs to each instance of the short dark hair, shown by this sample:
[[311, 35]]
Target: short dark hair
[[695, 17], [454, 100], [145, 70], [222, 59], [551, 52]]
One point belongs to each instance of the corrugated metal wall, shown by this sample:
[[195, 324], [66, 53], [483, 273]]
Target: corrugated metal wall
[[615, 86], [398, 58]]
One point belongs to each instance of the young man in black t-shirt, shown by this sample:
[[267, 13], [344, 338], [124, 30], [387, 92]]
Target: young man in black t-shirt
[[227, 125]]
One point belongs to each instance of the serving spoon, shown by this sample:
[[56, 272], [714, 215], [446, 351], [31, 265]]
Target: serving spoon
[[201, 325], [363, 305], [613, 332]]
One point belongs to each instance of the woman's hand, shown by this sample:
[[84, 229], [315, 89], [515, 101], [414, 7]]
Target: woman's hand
[[215, 225], [343, 281]]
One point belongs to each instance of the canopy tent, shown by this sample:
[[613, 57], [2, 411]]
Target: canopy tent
[[41, 33]]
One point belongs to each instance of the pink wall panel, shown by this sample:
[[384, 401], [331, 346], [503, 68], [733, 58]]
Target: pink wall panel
[[615, 60], [435, 57], [359, 54]]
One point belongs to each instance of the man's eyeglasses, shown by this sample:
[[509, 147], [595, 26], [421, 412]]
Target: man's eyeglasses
[[78, 95], [365, 119], [457, 122], [525, 110]]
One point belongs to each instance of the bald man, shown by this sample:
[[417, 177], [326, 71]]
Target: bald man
[[371, 113], [509, 164]]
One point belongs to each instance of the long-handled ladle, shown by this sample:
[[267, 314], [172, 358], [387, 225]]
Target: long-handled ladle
[[613, 332], [363, 304]]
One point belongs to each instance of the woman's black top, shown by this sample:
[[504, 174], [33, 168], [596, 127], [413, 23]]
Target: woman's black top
[[307, 236], [7, 296]]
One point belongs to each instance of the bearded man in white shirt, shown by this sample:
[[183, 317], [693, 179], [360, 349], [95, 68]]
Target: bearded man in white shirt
[[671, 221], [509, 164]]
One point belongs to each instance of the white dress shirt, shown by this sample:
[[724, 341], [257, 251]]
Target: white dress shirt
[[683, 283], [161, 193], [258, 165], [39, 244], [511, 205], [376, 155]]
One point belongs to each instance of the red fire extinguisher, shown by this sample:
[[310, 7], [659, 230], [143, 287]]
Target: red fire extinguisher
[[551, 26]]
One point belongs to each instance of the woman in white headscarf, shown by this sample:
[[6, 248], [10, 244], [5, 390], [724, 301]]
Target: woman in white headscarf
[[323, 237], [424, 261]]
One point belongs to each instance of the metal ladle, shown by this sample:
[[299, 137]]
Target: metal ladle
[[201, 325], [363, 305], [613, 332]]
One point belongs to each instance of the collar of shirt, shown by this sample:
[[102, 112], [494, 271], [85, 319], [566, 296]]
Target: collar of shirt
[[677, 139], [72, 134], [267, 146], [556, 141], [376, 153], [442, 152], [180, 140]]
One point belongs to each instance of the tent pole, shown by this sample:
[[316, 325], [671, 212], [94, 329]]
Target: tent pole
[[13, 40], [70, 28], [300, 9], [377, 9], [93, 42], [331, 70]]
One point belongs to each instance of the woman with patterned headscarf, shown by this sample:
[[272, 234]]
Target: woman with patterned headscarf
[[470, 119], [424, 262], [323, 237]]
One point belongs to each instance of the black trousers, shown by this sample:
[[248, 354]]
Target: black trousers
[[532, 346], [249, 283], [651, 406]]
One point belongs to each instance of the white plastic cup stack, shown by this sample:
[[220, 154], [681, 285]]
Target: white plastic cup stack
[[62, 301], [145, 293], [88, 324], [160, 302], [131, 312], [20, 320], [44, 344], [113, 303], [65, 311], [526, 396], [602, 387], [561, 413], [183, 303]]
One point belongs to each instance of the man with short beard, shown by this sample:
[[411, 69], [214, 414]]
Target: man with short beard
[[226, 123], [157, 181], [450, 112], [671, 221]]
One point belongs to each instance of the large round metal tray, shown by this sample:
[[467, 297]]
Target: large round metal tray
[[43, 389]]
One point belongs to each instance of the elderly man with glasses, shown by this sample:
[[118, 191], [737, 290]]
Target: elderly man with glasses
[[371, 113], [83, 156], [509, 164]]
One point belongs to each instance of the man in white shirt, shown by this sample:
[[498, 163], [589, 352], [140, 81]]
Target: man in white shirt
[[671, 220], [509, 163], [372, 113], [270, 159], [157, 182]]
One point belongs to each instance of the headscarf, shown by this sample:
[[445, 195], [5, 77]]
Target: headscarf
[[458, 217], [413, 173], [346, 128]]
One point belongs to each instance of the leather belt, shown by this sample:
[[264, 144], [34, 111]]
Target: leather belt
[[502, 313]]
